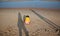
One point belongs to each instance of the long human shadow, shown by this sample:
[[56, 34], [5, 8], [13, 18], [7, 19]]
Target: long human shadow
[[21, 25], [55, 27]]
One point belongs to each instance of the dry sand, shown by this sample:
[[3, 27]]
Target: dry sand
[[37, 27]]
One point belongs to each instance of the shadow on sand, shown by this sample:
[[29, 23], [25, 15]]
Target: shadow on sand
[[21, 26], [54, 26]]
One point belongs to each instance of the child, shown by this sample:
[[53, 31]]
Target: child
[[27, 20]]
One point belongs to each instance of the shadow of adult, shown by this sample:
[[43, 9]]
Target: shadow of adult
[[54, 26], [21, 26]]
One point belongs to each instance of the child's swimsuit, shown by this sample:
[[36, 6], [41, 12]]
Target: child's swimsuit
[[27, 20]]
